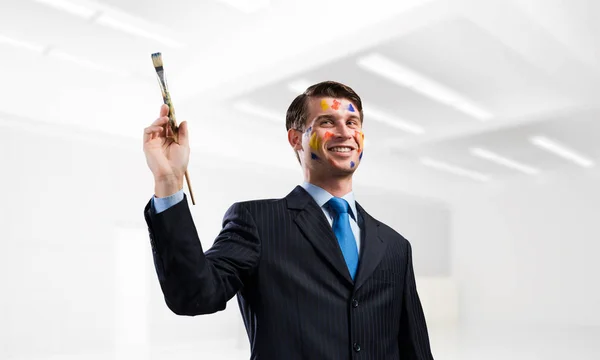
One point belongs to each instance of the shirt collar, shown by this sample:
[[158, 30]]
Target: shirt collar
[[322, 196]]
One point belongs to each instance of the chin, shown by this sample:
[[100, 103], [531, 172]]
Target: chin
[[345, 169]]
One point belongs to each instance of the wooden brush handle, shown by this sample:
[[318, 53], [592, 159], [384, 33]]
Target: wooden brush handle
[[174, 136], [189, 184]]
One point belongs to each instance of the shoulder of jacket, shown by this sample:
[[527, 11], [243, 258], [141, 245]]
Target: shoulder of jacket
[[390, 233], [253, 205]]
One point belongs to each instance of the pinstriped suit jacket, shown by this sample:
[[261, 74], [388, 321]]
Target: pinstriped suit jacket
[[296, 296]]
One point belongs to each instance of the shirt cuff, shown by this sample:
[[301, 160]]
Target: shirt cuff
[[163, 203]]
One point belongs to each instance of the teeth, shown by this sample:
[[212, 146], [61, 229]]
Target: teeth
[[341, 149]]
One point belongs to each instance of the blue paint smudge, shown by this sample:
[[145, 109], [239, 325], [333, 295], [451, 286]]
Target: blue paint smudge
[[350, 108], [351, 164], [314, 156], [361, 154]]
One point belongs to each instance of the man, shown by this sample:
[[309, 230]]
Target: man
[[316, 276]]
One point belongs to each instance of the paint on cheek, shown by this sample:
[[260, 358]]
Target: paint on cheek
[[314, 156], [324, 105], [328, 135], [314, 142], [351, 164], [360, 139], [360, 156], [336, 104]]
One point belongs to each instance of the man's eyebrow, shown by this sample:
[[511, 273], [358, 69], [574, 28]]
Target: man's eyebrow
[[324, 116], [330, 116]]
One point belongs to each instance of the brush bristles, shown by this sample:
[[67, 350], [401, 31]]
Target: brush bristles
[[158, 65], [157, 60]]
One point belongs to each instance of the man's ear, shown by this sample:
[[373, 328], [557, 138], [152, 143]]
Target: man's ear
[[295, 139]]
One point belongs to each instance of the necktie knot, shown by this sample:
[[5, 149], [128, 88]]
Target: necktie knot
[[339, 205]]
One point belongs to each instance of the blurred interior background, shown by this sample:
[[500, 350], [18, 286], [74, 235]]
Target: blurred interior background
[[482, 126]]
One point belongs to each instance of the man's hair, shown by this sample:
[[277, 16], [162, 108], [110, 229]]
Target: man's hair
[[297, 113]]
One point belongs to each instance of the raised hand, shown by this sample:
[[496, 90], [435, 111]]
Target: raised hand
[[167, 159]]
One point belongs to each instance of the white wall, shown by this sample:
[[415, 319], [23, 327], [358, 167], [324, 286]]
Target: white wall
[[70, 198], [424, 222], [527, 252]]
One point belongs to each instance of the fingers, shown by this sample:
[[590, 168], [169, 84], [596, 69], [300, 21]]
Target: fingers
[[182, 134], [164, 110], [153, 129], [152, 132], [161, 121]]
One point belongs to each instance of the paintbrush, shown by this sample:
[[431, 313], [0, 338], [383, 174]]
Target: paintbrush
[[172, 124]]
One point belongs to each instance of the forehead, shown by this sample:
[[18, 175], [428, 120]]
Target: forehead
[[331, 105]]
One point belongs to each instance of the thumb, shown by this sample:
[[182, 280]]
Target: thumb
[[182, 134]]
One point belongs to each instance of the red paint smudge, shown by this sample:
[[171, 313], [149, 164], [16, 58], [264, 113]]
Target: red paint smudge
[[336, 104]]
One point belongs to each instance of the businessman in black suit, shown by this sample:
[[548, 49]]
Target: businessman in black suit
[[316, 277]]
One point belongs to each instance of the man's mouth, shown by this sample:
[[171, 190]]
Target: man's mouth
[[341, 149]]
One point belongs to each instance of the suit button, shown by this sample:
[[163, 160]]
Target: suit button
[[356, 347], [354, 303]]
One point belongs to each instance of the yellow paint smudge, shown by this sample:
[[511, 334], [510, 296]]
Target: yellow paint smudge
[[314, 142]]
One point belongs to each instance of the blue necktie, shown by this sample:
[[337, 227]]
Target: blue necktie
[[344, 234]]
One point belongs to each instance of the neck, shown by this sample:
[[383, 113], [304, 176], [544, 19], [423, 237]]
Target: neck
[[336, 186]]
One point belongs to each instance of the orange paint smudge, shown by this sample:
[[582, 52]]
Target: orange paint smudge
[[360, 138], [336, 104]]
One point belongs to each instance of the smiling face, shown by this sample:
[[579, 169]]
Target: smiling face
[[332, 142]]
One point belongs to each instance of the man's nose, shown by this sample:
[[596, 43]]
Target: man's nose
[[344, 131]]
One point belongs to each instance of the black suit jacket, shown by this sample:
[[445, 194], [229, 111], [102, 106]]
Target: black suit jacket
[[294, 290]]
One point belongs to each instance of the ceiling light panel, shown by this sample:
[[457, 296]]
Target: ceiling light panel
[[76, 8], [250, 108], [247, 6], [116, 19], [455, 170], [501, 160], [25, 45], [383, 66], [561, 150]]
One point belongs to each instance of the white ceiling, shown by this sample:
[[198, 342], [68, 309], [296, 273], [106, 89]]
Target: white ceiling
[[533, 65]]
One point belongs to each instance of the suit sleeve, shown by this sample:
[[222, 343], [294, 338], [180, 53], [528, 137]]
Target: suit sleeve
[[194, 282], [413, 338], [163, 203]]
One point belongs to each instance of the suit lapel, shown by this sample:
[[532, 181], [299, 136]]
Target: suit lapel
[[315, 227], [373, 247]]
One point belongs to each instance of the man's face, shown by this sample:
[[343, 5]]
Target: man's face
[[332, 142]]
